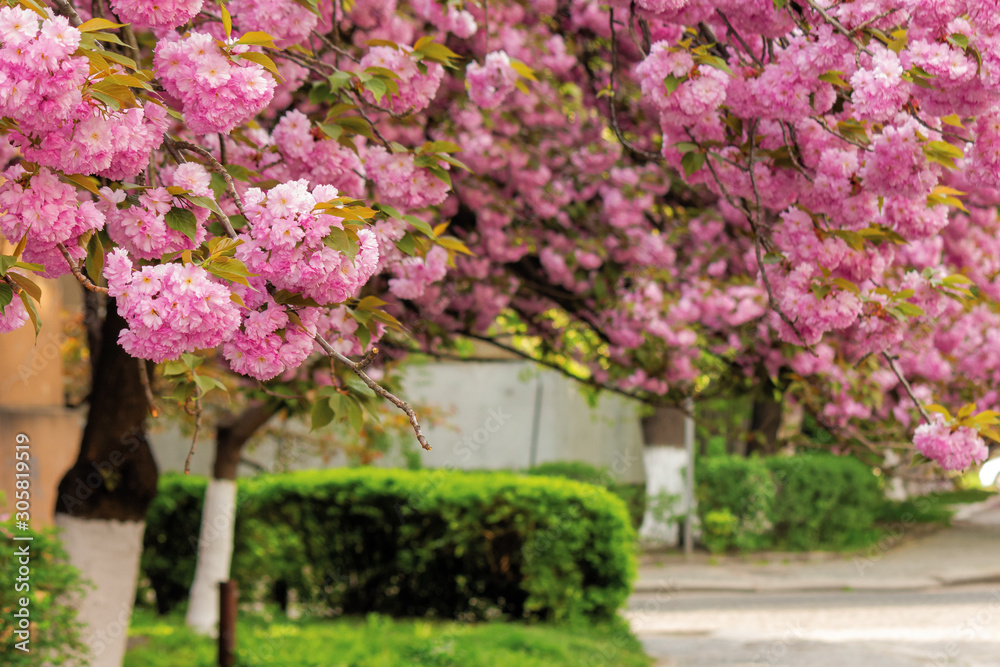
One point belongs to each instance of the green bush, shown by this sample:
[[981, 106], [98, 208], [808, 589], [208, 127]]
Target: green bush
[[799, 503], [409, 543], [742, 487], [55, 632], [823, 501], [170, 542], [633, 495]]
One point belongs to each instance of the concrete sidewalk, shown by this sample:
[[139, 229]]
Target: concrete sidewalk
[[904, 559]]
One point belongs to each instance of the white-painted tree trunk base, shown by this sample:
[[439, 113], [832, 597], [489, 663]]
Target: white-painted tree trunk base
[[215, 555], [107, 553], [664, 476]]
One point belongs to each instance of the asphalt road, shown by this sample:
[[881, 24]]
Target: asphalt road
[[954, 626]]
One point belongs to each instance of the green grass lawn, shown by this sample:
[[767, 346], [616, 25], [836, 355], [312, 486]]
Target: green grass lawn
[[383, 642]]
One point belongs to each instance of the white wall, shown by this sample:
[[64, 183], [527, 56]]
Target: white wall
[[497, 411]]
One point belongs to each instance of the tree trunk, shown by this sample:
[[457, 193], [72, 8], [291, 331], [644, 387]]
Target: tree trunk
[[103, 498], [218, 517], [664, 459], [765, 421]]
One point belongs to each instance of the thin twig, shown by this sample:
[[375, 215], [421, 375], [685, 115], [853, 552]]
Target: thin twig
[[612, 100], [197, 429], [361, 110], [67, 10], [369, 358], [752, 136], [333, 47], [215, 166], [631, 29], [82, 279], [376, 387], [906, 385], [147, 388], [838, 26], [732, 31]]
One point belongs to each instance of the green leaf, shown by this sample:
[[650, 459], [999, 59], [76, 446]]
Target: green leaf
[[207, 384], [322, 413], [420, 225], [183, 221], [227, 22], [29, 306], [671, 83], [909, 309], [359, 387], [257, 38], [6, 296], [773, 258], [169, 368], [370, 303], [959, 40], [439, 147], [205, 202], [239, 172], [377, 88], [341, 242], [354, 413], [834, 77], [95, 259], [407, 245], [27, 285], [692, 162]]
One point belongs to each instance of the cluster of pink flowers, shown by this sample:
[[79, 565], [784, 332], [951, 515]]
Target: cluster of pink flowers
[[40, 78], [490, 83], [143, 229], [285, 20], [109, 143], [897, 164], [416, 89], [163, 14], [321, 161], [268, 344], [458, 22], [284, 244], [48, 211], [953, 449], [400, 182], [416, 274], [880, 91], [693, 95], [170, 308], [14, 316], [217, 92]]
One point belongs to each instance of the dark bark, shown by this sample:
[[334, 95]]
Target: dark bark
[[234, 432], [765, 420], [115, 475], [664, 427]]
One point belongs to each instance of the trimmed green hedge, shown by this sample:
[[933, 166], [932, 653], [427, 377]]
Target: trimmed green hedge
[[54, 630], [633, 495], [408, 543], [824, 501], [735, 500], [799, 503]]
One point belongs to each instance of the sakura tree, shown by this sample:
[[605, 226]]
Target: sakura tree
[[649, 192]]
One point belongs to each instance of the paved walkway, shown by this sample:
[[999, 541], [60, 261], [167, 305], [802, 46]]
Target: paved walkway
[[917, 599], [966, 553]]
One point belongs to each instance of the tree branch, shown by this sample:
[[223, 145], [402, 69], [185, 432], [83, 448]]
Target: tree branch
[[358, 370]]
